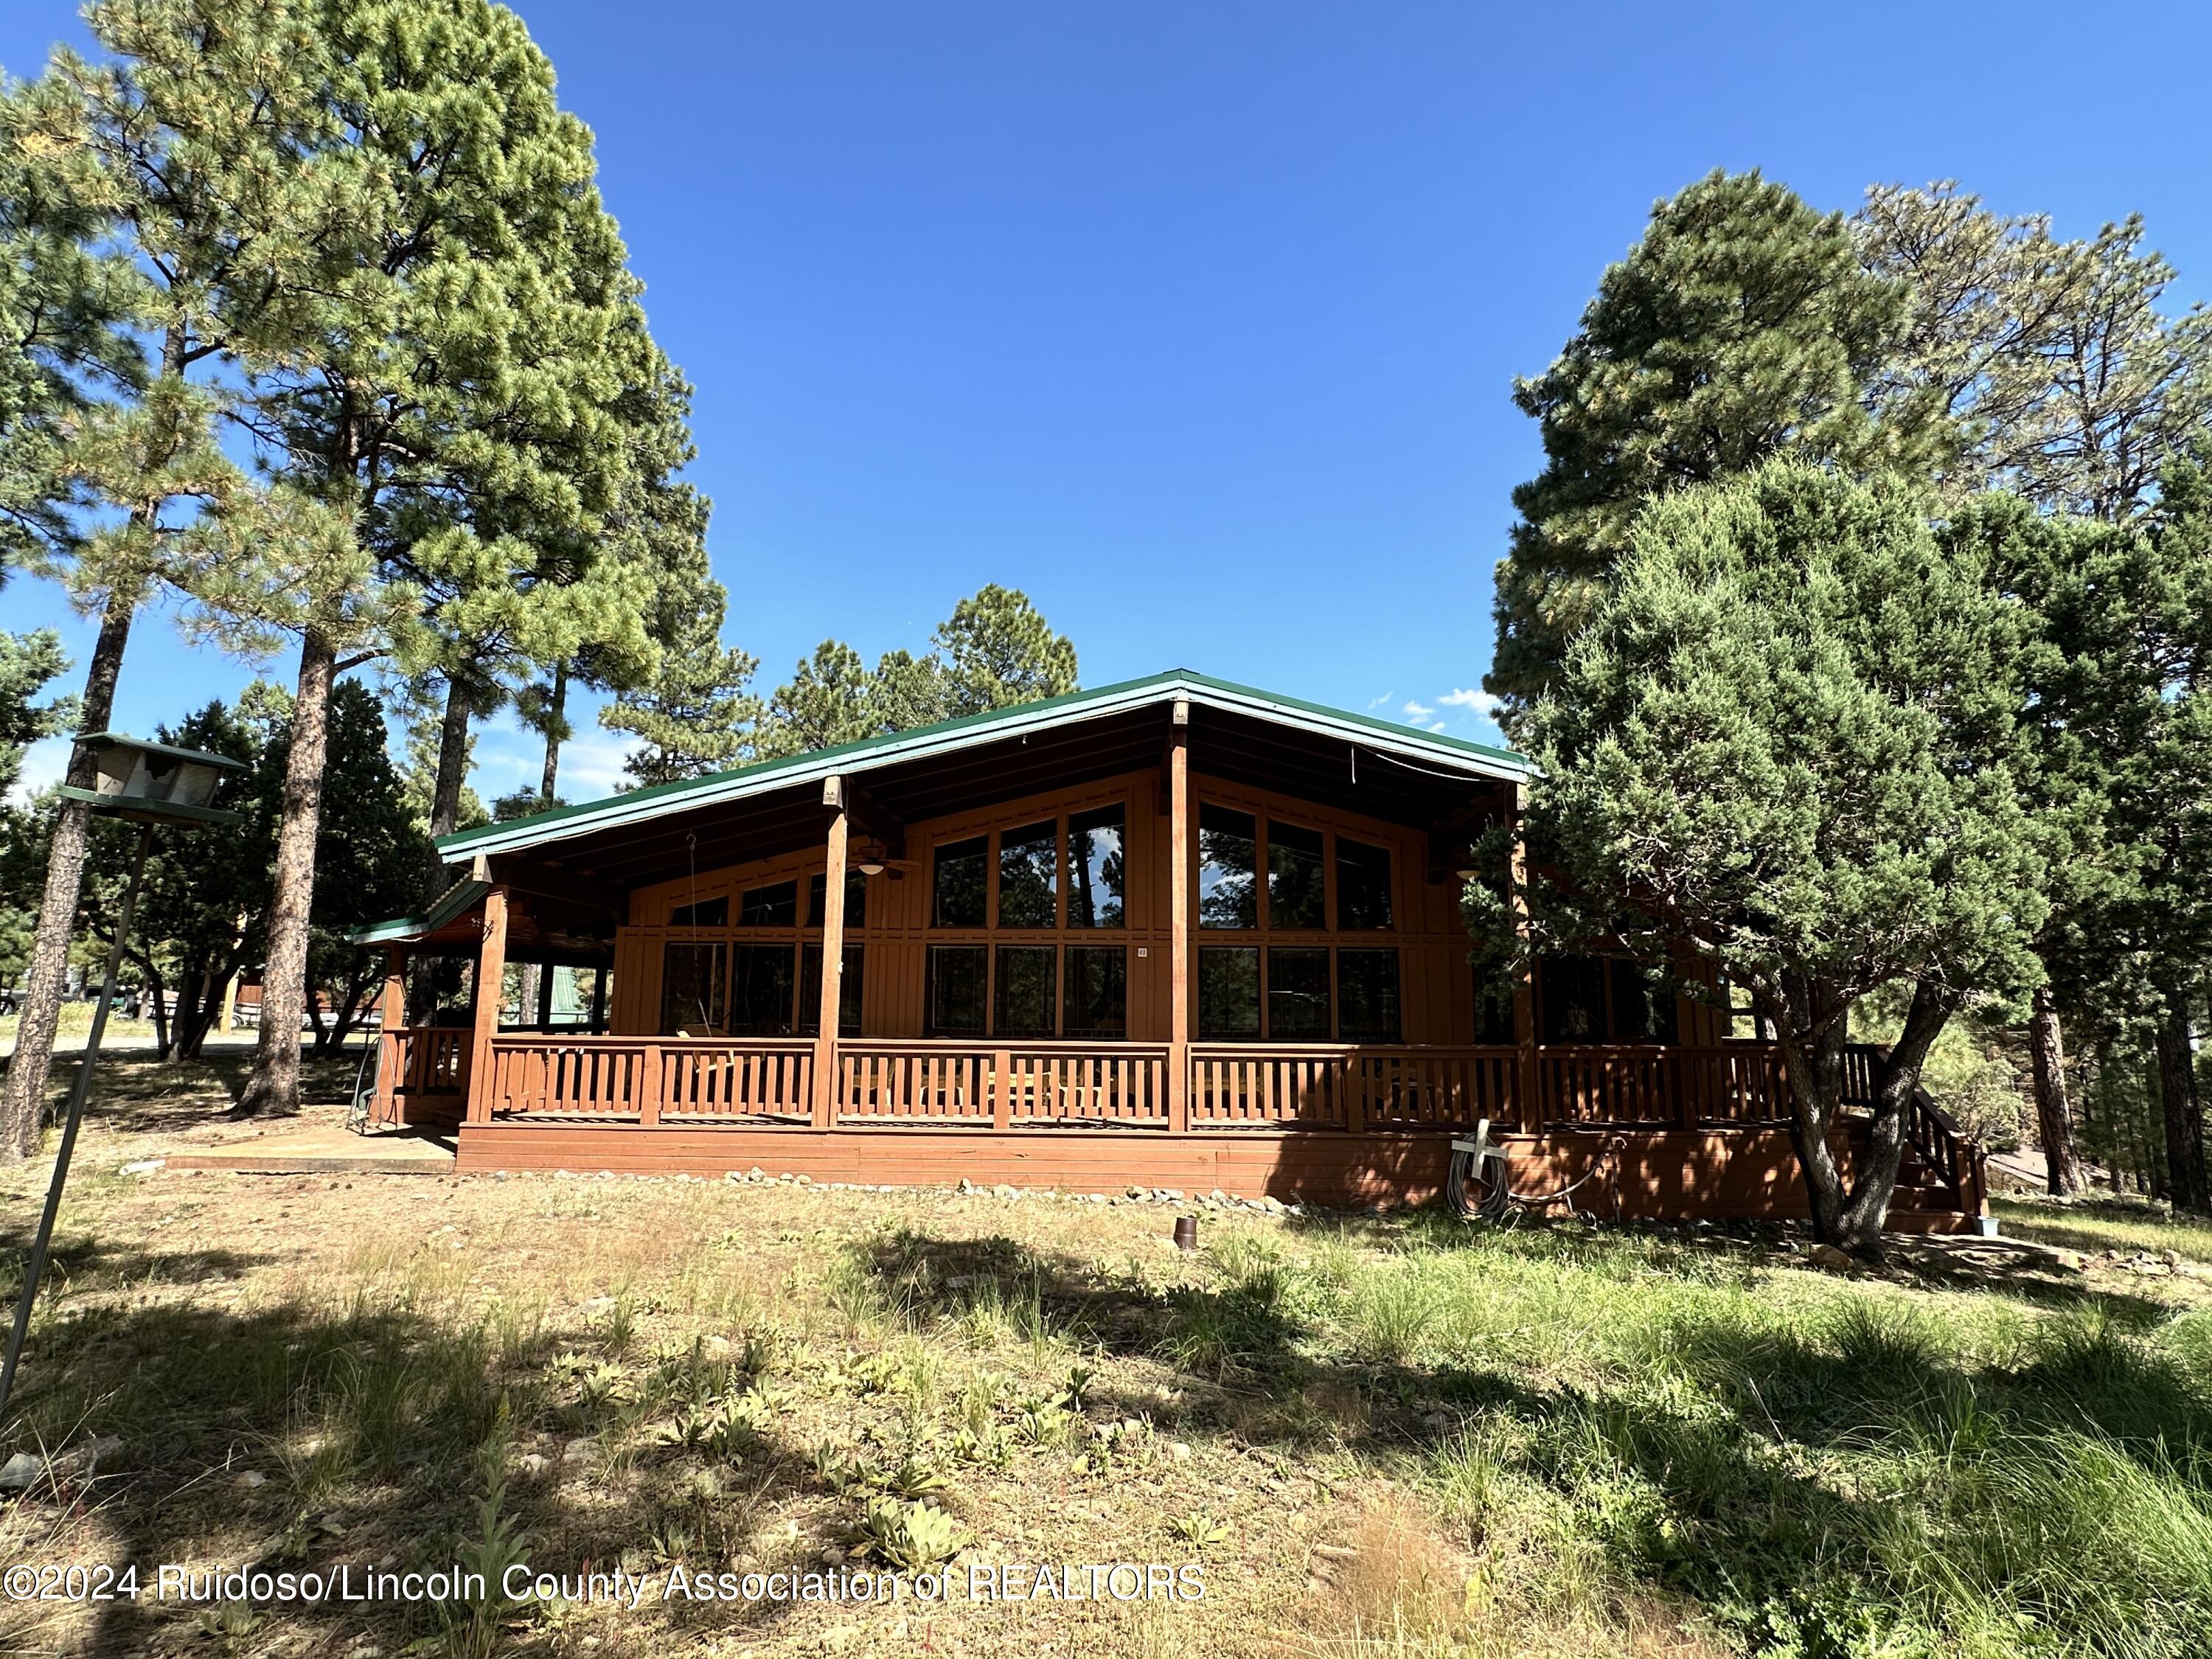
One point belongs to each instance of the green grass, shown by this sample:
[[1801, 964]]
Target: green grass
[[1397, 1436], [2093, 1225]]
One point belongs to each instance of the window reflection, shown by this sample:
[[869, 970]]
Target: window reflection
[[1367, 996], [1228, 894], [1025, 991], [775, 906], [1096, 865], [1029, 878], [706, 913], [760, 991], [1098, 991], [848, 992], [1298, 993], [1363, 885], [1294, 877], [691, 988], [956, 990], [957, 888], [856, 898], [1228, 993]]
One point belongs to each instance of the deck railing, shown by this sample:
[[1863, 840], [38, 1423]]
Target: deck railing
[[650, 1080], [1722, 1084], [986, 1085], [1348, 1086]]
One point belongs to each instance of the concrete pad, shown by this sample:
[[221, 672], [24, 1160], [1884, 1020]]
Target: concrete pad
[[325, 1149]]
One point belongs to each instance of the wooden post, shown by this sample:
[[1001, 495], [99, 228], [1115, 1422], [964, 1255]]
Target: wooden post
[[599, 1001], [388, 1039], [833, 958], [1529, 1109], [1179, 920], [491, 973]]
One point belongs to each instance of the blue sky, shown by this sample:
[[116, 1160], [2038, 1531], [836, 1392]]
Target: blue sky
[[1199, 322]]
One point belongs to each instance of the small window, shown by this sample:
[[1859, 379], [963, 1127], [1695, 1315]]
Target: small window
[[957, 886], [957, 990], [777, 906], [706, 913], [1367, 996], [1228, 992], [1029, 876], [760, 999], [1363, 885], [692, 987], [1098, 991], [1095, 868], [1227, 891], [1298, 993], [809, 991], [1643, 1008], [856, 899], [1294, 877], [1026, 992]]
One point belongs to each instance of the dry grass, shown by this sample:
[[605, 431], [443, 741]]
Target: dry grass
[[1375, 1437]]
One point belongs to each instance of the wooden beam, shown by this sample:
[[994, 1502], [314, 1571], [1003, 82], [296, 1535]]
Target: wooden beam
[[386, 1108], [832, 967], [1179, 923], [491, 971], [869, 816]]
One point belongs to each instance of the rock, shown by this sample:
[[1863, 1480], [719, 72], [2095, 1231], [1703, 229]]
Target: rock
[[1136, 1192], [1829, 1260], [533, 1463], [965, 1186], [26, 1469], [1179, 1450], [143, 1166], [252, 1478], [1002, 1190], [735, 1174], [757, 1174], [20, 1472], [2073, 1259], [575, 1451]]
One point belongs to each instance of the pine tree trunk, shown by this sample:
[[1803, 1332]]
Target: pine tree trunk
[[2183, 1110], [2054, 1122], [556, 710], [23, 1096], [273, 1089]]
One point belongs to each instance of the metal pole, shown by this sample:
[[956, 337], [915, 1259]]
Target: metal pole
[[35, 1268]]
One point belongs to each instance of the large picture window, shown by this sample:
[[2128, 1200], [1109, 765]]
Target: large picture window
[[856, 899], [959, 981], [1096, 869], [1298, 993], [1294, 877], [1026, 992], [1602, 999], [1367, 996], [760, 991], [1097, 1000], [692, 989], [1228, 849], [706, 913], [774, 906], [1228, 993], [1029, 876], [956, 883], [1363, 886]]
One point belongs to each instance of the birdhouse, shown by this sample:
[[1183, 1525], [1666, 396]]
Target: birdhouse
[[154, 782]]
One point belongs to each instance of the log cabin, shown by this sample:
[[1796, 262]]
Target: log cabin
[[1172, 933]]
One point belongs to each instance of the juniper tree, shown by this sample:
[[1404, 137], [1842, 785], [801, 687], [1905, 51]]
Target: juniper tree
[[1741, 326], [1785, 743]]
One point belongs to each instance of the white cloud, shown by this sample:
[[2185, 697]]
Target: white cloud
[[591, 765], [1419, 711], [1380, 701], [44, 763], [1476, 701], [1436, 727]]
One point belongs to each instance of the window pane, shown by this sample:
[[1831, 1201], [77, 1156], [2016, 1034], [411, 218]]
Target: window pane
[[706, 913], [1294, 881], [1298, 993], [1493, 1009], [1367, 996], [1642, 1011], [810, 992], [1572, 992], [1025, 990], [1362, 884], [1098, 991], [771, 906], [956, 990], [1229, 993], [958, 888], [1095, 865], [856, 899], [760, 991], [1228, 896], [1029, 884], [691, 988]]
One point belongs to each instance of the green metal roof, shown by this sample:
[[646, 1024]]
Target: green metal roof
[[1456, 754], [457, 900]]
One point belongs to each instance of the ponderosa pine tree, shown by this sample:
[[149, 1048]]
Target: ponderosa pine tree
[[1785, 743], [694, 715], [178, 146], [1739, 327]]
